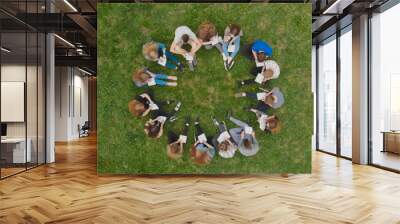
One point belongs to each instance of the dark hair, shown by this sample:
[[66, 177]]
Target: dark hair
[[261, 56], [200, 159], [185, 38], [174, 150], [235, 29], [153, 129], [247, 143]]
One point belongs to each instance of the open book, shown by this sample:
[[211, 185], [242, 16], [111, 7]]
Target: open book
[[182, 138], [202, 138], [248, 130], [162, 61], [151, 82], [223, 137], [259, 78]]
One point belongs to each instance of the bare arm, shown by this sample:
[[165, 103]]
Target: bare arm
[[149, 72], [161, 130], [208, 145], [254, 55], [196, 45], [177, 50], [146, 112]]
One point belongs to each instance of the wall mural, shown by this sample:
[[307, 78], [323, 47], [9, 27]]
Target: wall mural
[[204, 88]]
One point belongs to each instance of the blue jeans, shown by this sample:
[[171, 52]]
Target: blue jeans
[[160, 79], [172, 61], [234, 53]]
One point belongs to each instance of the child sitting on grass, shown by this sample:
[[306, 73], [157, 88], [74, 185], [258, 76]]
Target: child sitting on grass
[[231, 44], [269, 124], [269, 71], [223, 141], [142, 104], [184, 36], [273, 98], [154, 127], [208, 36], [154, 51], [176, 142], [143, 77], [244, 137], [202, 151]]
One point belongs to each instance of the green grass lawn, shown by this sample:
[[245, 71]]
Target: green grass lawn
[[123, 147]]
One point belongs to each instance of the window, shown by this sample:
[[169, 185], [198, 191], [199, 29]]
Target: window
[[385, 89], [22, 77], [327, 95], [346, 92]]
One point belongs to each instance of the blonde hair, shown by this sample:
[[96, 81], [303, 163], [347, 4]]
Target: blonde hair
[[140, 75], [148, 48], [206, 31]]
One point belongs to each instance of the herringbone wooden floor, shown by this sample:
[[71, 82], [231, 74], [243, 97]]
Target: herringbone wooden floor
[[70, 191]]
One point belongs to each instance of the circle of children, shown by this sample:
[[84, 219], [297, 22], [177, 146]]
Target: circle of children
[[225, 142]]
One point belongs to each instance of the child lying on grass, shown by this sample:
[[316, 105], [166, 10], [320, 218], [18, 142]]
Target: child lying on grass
[[154, 51], [143, 77]]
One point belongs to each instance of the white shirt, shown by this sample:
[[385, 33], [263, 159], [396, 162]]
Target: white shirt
[[182, 30], [271, 64], [261, 96], [161, 119], [228, 153], [182, 138], [262, 120]]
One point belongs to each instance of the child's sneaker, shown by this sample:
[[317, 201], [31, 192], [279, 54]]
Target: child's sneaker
[[178, 106], [237, 95]]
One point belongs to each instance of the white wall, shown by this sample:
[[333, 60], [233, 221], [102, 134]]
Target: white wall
[[71, 94]]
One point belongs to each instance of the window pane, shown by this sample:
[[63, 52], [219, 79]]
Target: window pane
[[15, 150], [385, 86], [346, 94], [327, 96]]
